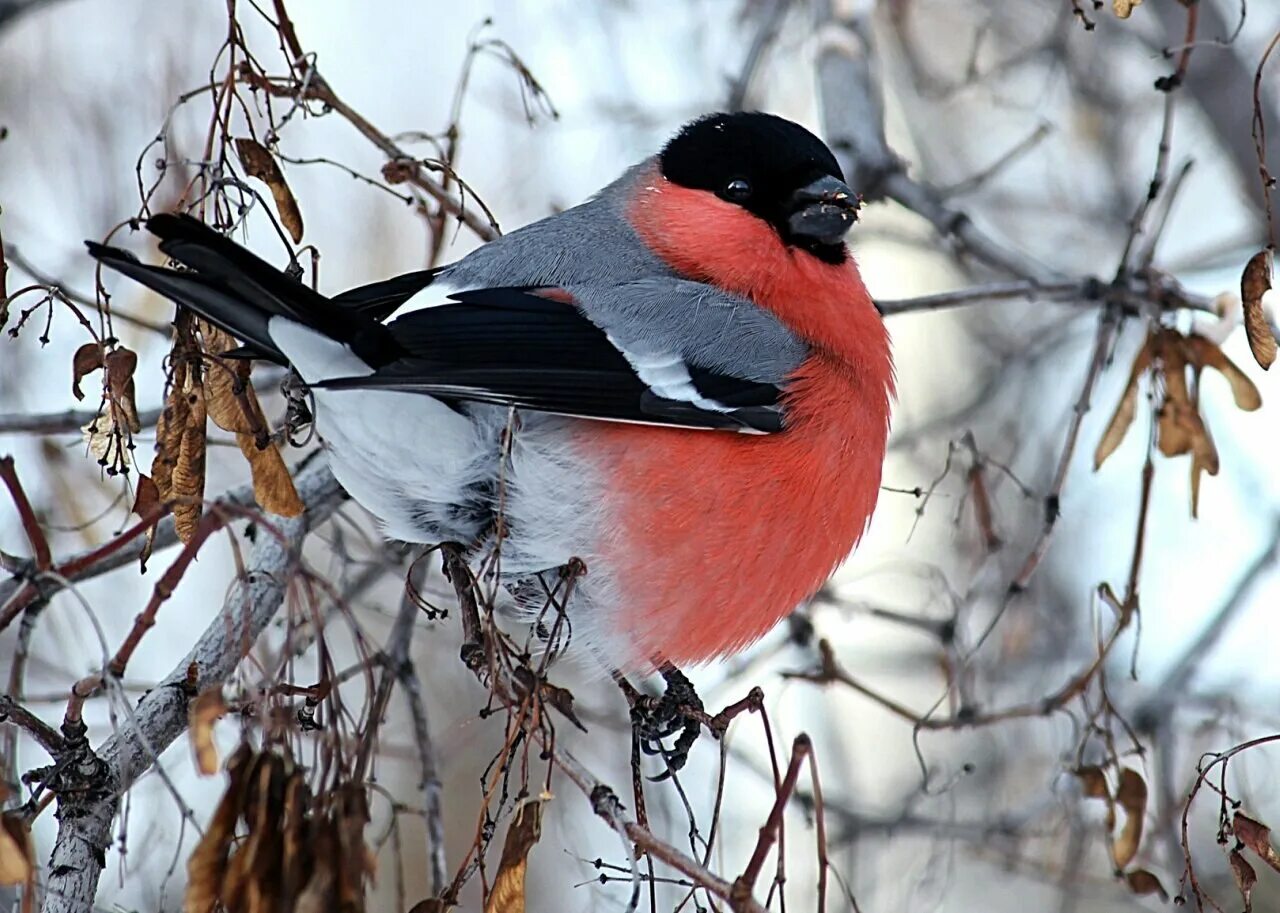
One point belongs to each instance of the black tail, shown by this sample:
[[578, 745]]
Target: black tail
[[240, 292]]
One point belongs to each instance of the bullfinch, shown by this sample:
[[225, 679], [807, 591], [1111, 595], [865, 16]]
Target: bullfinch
[[680, 387]]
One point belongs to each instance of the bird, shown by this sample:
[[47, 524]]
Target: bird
[[681, 387]]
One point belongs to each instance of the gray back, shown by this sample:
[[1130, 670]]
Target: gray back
[[592, 252]]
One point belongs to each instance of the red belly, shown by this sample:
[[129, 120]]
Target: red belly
[[713, 537]]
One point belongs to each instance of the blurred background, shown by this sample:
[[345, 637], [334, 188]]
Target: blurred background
[[1017, 629]]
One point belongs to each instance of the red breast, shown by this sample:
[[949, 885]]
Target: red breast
[[714, 537]]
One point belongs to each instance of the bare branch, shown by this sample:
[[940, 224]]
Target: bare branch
[[84, 832], [61, 422], [853, 120]]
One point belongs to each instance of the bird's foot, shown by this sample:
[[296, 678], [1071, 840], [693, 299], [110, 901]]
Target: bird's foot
[[679, 712]]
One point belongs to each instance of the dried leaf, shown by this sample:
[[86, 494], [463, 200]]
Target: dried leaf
[[1131, 795], [1142, 882], [205, 711], [1124, 8], [357, 863], [1178, 424], [508, 894], [88, 358], [295, 850], [1254, 283], [317, 896], [17, 859], [207, 866], [273, 487], [1093, 782], [178, 469], [1125, 409], [1206, 353], [1257, 837], [120, 364], [187, 479], [1245, 878], [107, 441], [146, 498], [260, 163], [233, 406]]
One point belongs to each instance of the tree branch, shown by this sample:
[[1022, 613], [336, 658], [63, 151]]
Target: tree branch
[[84, 831], [853, 120], [100, 560]]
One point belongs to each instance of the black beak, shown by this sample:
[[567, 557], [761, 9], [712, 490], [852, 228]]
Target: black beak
[[824, 210]]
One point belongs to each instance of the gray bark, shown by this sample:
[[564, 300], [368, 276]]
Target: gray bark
[[84, 831]]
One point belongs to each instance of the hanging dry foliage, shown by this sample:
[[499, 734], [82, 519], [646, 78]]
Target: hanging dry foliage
[[508, 894], [1177, 361], [259, 163], [233, 406], [1254, 283], [273, 846], [109, 435], [178, 467]]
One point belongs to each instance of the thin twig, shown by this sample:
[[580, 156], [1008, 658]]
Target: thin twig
[[30, 524], [84, 831], [61, 422]]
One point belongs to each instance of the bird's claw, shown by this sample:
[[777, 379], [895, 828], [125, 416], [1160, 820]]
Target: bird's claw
[[678, 712]]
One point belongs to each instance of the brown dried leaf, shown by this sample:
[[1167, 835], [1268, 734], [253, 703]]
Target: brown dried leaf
[[88, 358], [106, 440], [187, 479], [146, 498], [1124, 8], [357, 864], [317, 896], [17, 859], [1125, 409], [120, 363], [205, 711], [295, 850], [1257, 837], [1179, 420], [1142, 882], [1204, 458], [1245, 878], [233, 406], [207, 866], [1131, 795], [252, 872], [178, 467], [1255, 281], [1093, 782], [508, 894], [1206, 353], [261, 164], [273, 487]]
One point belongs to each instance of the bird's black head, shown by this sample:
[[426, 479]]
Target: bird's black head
[[773, 168]]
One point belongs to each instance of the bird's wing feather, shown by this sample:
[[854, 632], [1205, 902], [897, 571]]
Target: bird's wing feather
[[519, 347]]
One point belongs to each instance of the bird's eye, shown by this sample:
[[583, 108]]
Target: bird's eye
[[737, 190]]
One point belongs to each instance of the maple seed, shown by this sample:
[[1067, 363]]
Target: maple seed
[[1257, 837], [261, 164], [1254, 283], [508, 894], [1131, 795], [206, 710], [1245, 878]]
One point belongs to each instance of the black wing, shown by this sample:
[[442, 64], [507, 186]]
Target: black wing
[[516, 347], [380, 299]]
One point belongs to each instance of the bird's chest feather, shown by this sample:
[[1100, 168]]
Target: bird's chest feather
[[713, 537]]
